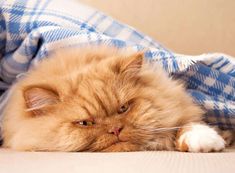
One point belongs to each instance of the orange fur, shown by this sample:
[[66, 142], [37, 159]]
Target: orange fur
[[181, 146], [48, 106]]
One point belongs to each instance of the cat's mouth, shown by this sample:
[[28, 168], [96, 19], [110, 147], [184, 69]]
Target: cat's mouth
[[117, 142], [116, 147], [120, 145]]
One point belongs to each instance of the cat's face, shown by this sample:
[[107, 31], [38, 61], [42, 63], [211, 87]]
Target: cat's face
[[113, 105]]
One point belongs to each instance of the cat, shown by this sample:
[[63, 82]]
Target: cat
[[103, 99]]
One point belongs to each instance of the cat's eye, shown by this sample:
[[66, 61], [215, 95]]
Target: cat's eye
[[84, 123], [123, 108]]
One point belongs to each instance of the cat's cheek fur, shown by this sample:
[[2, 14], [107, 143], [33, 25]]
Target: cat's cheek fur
[[199, 138]]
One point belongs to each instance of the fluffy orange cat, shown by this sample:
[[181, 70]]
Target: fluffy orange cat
[[103, 99]]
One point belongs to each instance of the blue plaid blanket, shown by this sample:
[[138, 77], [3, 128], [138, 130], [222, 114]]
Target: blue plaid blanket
[[31, 30]]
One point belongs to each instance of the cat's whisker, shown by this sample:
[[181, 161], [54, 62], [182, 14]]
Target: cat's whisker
[[159, 129], [163, 129]]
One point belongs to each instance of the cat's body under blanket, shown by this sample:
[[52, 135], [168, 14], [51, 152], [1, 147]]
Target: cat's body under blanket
[[101, 99]]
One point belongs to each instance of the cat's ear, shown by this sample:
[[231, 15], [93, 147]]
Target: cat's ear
[[134, 61], [38, 99], [132, 64]]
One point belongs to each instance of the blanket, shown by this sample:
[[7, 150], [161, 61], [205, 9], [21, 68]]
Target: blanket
[[32, 30]]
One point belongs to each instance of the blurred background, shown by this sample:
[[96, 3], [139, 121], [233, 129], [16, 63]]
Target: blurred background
[[184, 26]]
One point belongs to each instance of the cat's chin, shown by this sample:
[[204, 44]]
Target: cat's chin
[[122, 147]]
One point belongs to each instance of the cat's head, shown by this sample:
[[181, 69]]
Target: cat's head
[[114, 103]]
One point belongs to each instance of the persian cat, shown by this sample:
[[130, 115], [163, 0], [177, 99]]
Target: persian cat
[[103, 99]]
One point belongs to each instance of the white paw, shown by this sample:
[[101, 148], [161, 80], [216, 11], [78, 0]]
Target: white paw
[[202, 138]]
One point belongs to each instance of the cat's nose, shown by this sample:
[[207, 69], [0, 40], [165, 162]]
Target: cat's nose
[[115, 130]]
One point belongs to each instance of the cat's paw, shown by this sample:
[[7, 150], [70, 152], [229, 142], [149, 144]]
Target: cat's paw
[[200, 138]]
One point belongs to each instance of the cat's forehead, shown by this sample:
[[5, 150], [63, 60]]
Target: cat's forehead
[[98, 102]]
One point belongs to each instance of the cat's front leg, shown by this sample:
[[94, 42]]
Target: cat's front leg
[[199, 138]]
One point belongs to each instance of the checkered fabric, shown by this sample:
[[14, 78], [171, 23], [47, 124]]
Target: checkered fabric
[[32, 30]]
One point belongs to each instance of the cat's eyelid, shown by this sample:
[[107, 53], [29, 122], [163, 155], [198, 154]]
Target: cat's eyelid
[[88, 122], [124, 108]]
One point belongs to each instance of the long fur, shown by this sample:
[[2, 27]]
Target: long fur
[[90, 85]]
